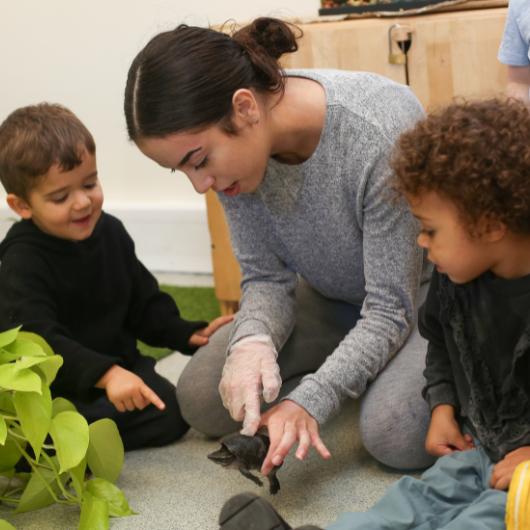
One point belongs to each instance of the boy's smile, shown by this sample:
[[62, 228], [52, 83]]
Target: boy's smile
[[64, 204]]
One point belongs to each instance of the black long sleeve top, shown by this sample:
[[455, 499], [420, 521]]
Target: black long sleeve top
[[478, 357], [91, 300]]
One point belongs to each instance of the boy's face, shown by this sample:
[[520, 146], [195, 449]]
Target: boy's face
[[449, 245], [64, 204]]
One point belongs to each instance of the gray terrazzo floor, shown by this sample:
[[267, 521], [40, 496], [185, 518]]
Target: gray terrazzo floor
[[178, 488]]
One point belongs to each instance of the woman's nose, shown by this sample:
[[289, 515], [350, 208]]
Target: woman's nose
[[202, 183]]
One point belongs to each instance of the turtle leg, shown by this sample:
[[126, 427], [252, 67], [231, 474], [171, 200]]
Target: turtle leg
[[246, 473], [274, 483]]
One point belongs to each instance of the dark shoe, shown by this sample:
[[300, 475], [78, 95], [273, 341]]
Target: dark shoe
[[247, 511]]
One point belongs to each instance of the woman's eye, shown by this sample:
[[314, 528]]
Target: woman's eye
[[90, 186], [203, 162]]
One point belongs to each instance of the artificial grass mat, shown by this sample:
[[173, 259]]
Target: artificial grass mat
[[194, 303]]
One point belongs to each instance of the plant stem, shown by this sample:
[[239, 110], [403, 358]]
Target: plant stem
[[37, 472], [67, 495]]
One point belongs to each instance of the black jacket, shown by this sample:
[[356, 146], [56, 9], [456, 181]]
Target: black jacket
[[91, 300], [478, 357]]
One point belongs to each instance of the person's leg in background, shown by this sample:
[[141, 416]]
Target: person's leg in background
[[149, 427], [394, 417]]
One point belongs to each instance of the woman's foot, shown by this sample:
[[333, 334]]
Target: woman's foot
[[247, 511]]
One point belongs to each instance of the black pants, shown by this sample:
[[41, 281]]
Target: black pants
[[149, 427]]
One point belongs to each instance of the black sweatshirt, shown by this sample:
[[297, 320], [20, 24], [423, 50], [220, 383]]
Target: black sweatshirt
[[91, 300], [478, 357]]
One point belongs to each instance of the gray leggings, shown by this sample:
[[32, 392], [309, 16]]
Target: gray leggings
[[394, 418]]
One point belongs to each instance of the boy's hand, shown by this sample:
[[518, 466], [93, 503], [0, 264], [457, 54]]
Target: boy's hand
[[200, 337], [127, 391], [503, 470], [444, 435]]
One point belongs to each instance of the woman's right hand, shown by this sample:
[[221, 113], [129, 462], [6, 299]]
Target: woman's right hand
[[250, 372], [444, 435]]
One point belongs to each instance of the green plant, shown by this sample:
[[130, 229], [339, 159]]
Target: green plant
[[48, 452]]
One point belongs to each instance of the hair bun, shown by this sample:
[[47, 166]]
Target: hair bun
[[273, 36]]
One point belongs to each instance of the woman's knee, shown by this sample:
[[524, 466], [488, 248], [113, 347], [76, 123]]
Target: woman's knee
[[394, 431]]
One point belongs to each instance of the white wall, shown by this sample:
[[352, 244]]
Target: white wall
[[77, 53]]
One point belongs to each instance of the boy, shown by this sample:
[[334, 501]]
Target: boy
[[515, 49], [466, 175], [70, 274]]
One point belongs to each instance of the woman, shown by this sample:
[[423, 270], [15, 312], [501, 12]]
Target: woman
[[330, 269]]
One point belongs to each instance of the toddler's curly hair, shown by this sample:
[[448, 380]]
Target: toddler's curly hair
[[475, 154]]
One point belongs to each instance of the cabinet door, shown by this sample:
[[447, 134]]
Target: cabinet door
[[360, 44], [455, 54]]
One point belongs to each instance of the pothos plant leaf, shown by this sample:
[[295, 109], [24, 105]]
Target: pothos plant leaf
[[70, 434], [105, 450], [94, 513], [35, 414]]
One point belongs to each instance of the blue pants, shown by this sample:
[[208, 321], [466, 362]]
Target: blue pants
[[453, 494]]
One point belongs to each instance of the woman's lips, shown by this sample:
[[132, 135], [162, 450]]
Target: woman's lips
[[232, 190]]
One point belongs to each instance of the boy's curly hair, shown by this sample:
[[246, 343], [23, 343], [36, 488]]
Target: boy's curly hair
[[33, 139], [477, 155]]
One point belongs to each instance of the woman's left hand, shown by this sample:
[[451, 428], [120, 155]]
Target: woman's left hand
[[503, 470], [288, 423]]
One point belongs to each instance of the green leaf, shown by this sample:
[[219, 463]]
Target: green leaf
[[49, 367], [105, 450], [9, 336], [60, 404], [103, 489], [12, 377], [69, 431], [3, 431], [94, 513], [25, 348], [36, 494], [4, 525], [6, 403], [33, 337], [34, 412], [77, 474], [9, 455]]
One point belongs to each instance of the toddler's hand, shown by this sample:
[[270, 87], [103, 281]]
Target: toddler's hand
[[127, 391], [503, 470], [200, 337], [444, 435]]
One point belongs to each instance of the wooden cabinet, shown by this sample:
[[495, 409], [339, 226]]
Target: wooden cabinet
[[451, 54]]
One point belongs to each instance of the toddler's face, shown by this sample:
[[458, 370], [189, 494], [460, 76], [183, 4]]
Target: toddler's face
[[67, 204], [449, 245]]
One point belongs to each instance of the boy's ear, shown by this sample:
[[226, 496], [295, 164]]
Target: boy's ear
[[245, 107], [492, 230], [19, 206]]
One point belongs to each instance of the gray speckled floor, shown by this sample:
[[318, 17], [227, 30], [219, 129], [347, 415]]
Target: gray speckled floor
[[178, 488]]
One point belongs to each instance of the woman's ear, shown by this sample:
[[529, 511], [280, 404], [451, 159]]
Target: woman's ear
[[19, 206], [245, 107]]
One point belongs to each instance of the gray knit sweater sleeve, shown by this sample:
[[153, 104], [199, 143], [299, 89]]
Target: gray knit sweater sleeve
[[334, 221]]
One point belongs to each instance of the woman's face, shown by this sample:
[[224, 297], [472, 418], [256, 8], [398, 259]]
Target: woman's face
[[213, 159]]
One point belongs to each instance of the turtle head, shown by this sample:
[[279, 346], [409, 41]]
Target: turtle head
[[222, 456]]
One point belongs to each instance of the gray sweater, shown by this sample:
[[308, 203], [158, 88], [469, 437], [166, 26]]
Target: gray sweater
[[334, 221]]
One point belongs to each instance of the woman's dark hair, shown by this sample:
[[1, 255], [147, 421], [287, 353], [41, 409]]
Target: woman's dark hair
[[477, 155], [184, 79]]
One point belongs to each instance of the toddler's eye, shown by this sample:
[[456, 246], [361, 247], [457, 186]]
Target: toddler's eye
[[60, 199], [427, 232]]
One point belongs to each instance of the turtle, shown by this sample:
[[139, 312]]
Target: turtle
[[246, 453]]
